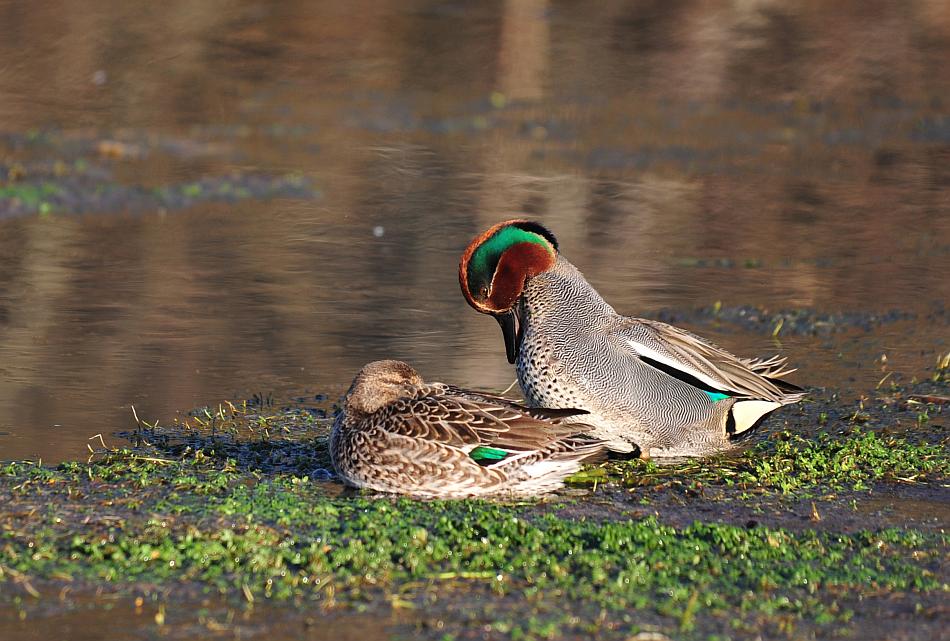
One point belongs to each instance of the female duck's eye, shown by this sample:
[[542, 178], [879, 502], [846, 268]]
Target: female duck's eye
[[483, 291]]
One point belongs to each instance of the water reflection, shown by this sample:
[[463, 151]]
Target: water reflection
[[756, 153]]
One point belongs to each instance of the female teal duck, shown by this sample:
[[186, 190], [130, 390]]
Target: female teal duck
[[647, 386], [397, 433]]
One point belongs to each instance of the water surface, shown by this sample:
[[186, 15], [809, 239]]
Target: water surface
[[776, 155]]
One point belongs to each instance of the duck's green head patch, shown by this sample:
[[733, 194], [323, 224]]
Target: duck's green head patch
[[495, 265]]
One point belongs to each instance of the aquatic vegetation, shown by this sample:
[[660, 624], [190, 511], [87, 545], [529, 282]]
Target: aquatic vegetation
[[830, 446], [232, 500], [197, 522], [81, 186], [791, 463], [32, 196], [235, 501]]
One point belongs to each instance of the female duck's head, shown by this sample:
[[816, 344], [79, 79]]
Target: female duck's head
[[378, 384]]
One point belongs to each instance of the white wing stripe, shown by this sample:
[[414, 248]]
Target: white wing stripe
[[643, 350]]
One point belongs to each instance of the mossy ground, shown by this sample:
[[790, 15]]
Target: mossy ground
[[786, 538]]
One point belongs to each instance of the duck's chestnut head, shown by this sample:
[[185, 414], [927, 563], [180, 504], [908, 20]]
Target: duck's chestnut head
[[497, 264]]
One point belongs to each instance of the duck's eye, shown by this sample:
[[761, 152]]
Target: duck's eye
[[483, 291]]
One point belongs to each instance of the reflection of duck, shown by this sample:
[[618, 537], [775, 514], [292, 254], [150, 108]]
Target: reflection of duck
[[645, 384], [397, 433]]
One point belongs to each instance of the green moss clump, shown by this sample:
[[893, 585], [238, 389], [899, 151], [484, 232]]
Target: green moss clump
[[792, 464], [796, 462]]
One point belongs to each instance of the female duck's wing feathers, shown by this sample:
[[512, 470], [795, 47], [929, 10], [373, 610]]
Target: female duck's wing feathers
[[465, 422], [687, 356], [556, 415]]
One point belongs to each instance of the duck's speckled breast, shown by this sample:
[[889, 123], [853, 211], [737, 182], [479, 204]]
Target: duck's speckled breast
[[557, 312]]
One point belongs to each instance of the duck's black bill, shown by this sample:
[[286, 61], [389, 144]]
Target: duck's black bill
[[509, 327]]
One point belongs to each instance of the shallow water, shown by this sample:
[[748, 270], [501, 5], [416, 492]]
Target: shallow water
[[768, 154]]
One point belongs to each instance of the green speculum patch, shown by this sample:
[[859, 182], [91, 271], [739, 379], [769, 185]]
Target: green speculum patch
[[485, 259], [487, 454]]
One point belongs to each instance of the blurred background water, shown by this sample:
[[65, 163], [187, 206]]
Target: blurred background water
[[203, 201]]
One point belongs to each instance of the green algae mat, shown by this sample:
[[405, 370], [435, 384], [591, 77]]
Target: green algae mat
[[832, 526]]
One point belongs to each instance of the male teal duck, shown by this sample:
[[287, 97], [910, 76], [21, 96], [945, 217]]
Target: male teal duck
[[648, 387], [397, 433]]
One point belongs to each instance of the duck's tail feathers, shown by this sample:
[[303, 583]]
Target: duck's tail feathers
[[774, 367], [545, 469]]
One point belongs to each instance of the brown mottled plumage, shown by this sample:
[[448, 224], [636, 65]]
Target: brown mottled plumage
[[397, 433]]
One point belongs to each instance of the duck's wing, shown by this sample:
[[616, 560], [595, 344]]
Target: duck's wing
[[467, 422], [556, 415], [700, 362]]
